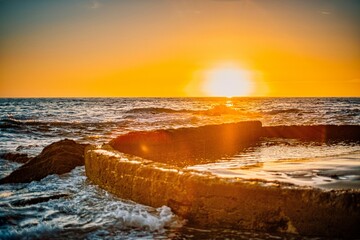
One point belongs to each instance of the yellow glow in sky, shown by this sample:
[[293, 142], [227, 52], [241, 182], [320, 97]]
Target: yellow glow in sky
[[176, 48], [227, 82]]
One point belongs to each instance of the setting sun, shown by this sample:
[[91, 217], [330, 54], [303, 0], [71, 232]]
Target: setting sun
[[227, 82]]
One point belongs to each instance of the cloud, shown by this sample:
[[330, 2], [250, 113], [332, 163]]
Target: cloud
[[94, 4], [325, 12]]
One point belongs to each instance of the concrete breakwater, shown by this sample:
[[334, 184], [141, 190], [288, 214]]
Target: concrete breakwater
[[188, 146], [146, 167], [320, 133], [206, 200]]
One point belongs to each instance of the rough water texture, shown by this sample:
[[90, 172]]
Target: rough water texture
[[85, 211], [70, 207]]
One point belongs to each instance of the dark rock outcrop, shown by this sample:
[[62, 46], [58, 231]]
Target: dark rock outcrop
[[189, 146], [321, 133], [57, 158], [15, 157]]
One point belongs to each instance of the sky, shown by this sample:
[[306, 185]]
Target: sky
[[179, 48]]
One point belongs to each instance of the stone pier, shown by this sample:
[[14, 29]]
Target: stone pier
[[189, 146], [209, 201]]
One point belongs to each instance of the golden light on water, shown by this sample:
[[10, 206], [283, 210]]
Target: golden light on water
[[227, 81]]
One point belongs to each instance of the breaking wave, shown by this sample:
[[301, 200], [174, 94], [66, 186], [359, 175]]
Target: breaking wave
[[76, 209]]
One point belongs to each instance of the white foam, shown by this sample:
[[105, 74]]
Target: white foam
[[87, 210], [143, 217]]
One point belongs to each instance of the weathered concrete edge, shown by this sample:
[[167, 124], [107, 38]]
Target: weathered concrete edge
[[320, 133], [206, 200], [189, 146]]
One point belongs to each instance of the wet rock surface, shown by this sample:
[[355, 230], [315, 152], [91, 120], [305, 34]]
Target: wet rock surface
[[188, 146], [57, 158], [321, 133], [15, 157], [205, 200]]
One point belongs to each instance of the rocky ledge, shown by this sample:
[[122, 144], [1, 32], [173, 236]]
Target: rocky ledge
[[206, 200], [152, 174], [189, 146]]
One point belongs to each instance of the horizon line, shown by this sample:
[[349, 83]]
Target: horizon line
[[64, 97]]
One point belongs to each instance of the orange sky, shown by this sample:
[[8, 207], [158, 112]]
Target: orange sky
[[165, 48]]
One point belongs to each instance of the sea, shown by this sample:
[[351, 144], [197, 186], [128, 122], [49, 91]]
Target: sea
[[86, 211]]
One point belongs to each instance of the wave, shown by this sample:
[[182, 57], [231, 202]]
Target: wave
[[219, 110], [87, 213], [155, 110], [346, 112], [216, 110], [280, 111], [89, 131], [15, 123], [12, 122]]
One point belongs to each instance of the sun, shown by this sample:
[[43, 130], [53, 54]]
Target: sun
[[227, 81]]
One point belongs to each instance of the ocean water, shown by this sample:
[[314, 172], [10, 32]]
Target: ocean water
[[79, 209]]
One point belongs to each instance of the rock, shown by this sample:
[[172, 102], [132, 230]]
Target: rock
[[188, 146], [314, 133], [57, 158], [36, 200], [209, 201], [15, 157]]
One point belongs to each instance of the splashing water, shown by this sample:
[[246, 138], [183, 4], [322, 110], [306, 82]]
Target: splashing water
[[81, 210]]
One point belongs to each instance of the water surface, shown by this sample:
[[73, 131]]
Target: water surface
[[79, 209]]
